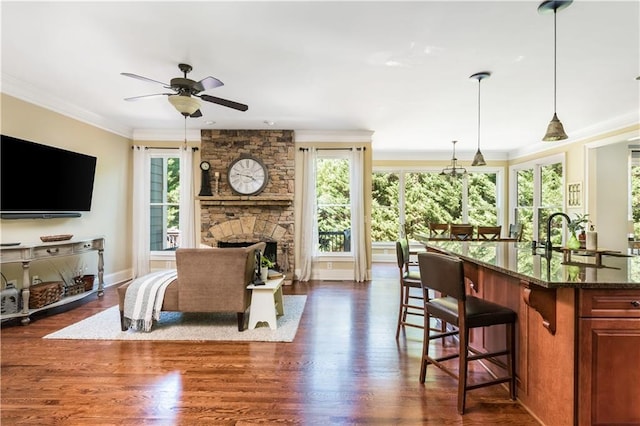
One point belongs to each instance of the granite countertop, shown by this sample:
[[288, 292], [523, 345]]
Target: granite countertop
[[518, 260]]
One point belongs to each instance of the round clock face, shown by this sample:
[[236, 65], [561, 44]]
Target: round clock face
[[247, 176], [205, 165]]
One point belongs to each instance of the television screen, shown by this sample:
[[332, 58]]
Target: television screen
[[38, 178]]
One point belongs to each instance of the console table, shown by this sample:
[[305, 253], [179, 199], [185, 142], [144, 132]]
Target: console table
[[27, 253]]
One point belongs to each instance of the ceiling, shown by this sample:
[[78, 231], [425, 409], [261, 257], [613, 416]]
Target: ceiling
[[398, 69]]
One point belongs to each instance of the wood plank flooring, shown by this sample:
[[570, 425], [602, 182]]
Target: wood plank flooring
[[343, 368]]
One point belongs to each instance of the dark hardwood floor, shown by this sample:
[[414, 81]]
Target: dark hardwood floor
[[344, 367]]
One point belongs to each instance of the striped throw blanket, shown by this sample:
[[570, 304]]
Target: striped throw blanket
[[143, 300]]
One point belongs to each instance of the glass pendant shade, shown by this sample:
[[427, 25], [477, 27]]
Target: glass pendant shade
[[555, 130], [186, 105]]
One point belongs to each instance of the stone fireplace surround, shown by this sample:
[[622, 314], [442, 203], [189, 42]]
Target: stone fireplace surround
[[268, 216]]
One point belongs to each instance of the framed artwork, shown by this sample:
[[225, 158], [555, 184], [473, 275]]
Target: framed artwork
[[574, 194]]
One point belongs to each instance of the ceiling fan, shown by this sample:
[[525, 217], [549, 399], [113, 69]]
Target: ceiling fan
[[185, 92]]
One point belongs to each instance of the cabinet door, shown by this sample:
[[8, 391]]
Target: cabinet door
[[609, 371]]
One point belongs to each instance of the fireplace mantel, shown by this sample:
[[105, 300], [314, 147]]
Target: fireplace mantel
[[253, 200]]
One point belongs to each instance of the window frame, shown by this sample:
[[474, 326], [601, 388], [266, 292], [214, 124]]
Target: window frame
[[343, 154], [402, 171], [164, 254], [536, 165]]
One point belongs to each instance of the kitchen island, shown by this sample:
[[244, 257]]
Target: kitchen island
[[578, 333]]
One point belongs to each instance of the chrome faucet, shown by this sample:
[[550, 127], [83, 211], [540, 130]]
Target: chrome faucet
[[548, 248]]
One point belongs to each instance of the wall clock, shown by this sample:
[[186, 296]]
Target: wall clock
[[247, 175]]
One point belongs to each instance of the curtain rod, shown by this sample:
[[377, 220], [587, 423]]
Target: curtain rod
[[193, 148], [335, 149]]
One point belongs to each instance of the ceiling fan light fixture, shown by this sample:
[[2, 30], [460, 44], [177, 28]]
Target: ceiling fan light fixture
[[186, 105]]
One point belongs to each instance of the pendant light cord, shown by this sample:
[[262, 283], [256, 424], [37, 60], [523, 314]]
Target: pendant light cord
[[555, 42], [185, 132], [479, 80]]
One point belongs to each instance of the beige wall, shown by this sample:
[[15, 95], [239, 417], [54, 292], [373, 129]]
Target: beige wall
[[110, 214]]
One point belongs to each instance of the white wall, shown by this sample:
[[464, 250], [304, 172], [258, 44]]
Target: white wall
[[611, 185]]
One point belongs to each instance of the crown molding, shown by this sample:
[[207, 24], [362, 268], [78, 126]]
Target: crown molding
[[333, 135], [193, 135], [26, 92]]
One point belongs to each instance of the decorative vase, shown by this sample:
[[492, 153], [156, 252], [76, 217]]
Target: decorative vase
[[573, 243], [264, 273]]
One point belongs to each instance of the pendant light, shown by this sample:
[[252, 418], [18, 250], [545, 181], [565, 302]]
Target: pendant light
[[555, 130], [453, 171], [478, 159]]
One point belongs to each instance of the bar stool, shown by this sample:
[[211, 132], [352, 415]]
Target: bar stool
[[411, 302], [445, 275]]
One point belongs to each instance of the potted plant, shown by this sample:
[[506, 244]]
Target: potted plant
[[265, 264], [576, 225]]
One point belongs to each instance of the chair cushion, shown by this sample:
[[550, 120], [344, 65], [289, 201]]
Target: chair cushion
[[412, 278], [483, 313], [480, 312], [445, 308]]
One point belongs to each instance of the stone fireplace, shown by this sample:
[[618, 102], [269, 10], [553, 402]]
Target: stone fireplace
[[268, 216]]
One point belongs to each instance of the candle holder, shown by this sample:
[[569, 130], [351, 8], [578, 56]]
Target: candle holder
[[216, 181]]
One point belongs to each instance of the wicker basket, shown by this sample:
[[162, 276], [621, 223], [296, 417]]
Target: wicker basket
[[45, 293], [86, 281], [76, 287]]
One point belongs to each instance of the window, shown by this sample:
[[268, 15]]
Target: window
[[482, 199], [385, 206], [524, 202], [164, 202], [333, 202], [416, 198], [634, 205], [551, 200], [539, 191]]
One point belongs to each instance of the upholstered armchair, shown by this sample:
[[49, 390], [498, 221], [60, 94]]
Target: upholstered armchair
[[209, 280]]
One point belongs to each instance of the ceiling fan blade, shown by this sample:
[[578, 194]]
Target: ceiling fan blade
[[139, 77], [224, 102], [207, 83], [135, 98], [196, 114]]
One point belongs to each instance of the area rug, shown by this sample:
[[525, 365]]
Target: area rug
[[188, 326]]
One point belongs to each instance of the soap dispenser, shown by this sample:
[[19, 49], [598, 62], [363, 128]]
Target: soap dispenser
[[592, 239]]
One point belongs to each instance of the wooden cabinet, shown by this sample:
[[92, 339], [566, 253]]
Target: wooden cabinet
[[27, 253], [609, 357]]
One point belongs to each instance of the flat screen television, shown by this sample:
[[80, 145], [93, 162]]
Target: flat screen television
[[41, 181]]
